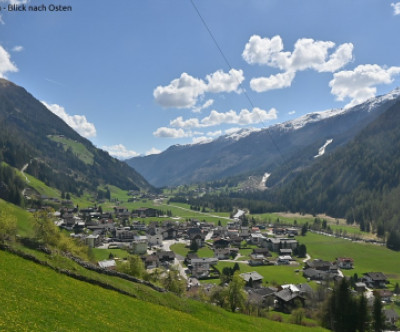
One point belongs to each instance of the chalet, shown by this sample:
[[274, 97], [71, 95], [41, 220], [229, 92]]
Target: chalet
[[166, 256], [391, 317], [92, 240], [360, 287], [375, 279], [345, 263], [262, 251], [223, 253], [196, 235], [313, 274], [124, 234], [139, 245], [384, 294], [200, 267], [284, 260], [256, 238], [253, 279], [244, 232], [257, 259], [287, 299], [236, 241], [285, 252], [120, 210], [145, 213], [263, 296], [221, 243], [170, 233], [319, 264], [150, 261]]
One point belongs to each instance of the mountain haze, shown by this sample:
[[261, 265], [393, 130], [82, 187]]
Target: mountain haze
[[280, 149], [32, 136]]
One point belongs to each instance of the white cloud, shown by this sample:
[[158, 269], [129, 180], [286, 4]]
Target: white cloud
[[201, 140], [184, 92], [18, 48], [244, 117], [360, 84], [5, 63], [166, 132], [307, 54], [1, 19], [396, 8], [207, 104], [181, 92], [214, 133], [120, 151], [225, 82], [153, 151], [77, 122], [278, 81], [232, 130]]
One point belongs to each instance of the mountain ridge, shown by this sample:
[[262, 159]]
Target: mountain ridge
[[289, 145]]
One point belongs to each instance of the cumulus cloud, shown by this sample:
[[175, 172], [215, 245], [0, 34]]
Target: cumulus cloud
[[5, 63], [17, 48], [184, 92], [77, 122], [153, 151], [214, 133], [244, 117], [396, 8], [201, 140], [232, 130], [307, 54], [207, 104], [119, 151], [360, 84], [278, 81], [166, 132]]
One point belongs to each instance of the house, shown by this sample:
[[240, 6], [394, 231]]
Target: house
[[318, 264], [284, 260], [124, 234], [287, 299], [263, 296], [189, 257], [262, 251], [200, 267], [139, 245], [196, 236], [360, 287], [92, 240], [256, 238], [223, 253], [244, 231], [145, 213], [150, 261], [375, 279], [221, 243], [313, 274], [253, 279], [108, 264], [391, 317], [169, 233], [285, 252], [345, 263], [166, 256], [236, 241], [385, 294]]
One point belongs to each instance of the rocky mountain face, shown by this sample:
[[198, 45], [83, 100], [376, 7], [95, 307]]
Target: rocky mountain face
[[280, 150]]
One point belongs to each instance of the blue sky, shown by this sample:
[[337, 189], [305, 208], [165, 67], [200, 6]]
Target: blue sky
[[135, 76]]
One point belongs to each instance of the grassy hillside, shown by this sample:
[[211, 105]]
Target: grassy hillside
[[24, 218], [37, 298]]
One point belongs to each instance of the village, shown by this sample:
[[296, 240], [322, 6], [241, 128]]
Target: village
[[268, 245]]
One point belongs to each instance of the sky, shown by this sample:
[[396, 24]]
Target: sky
[[135, 77]]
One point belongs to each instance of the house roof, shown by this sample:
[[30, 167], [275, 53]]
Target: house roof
[[286, 295], [376, 276], [255, 276]]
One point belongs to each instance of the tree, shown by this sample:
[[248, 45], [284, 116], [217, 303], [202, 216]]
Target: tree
[[8, 226], [363, 316], [302, 250], [304, 229], [396, 288], [45, 229], [377, 315], [134, 267], [173, 282], [235, 294], [194, 246]]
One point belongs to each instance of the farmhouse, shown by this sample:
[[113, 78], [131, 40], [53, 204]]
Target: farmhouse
[[252, 279], [375, 279]]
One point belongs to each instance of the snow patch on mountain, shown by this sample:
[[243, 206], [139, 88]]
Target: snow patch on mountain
[[264, 179], [321, 150], [237, 135]]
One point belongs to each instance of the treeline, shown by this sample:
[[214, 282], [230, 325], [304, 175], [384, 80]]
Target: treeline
[[222, 203], [11, 184]]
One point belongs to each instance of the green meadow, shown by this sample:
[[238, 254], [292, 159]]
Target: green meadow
[[35, 298]]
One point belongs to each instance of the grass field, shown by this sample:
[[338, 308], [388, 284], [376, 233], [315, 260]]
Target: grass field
[[182, 250], [24, 218], [77, 148], [35, 298], [367, 257]]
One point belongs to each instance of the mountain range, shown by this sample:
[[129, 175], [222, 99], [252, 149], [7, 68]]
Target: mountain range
[[280, 150], [33, 138]]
